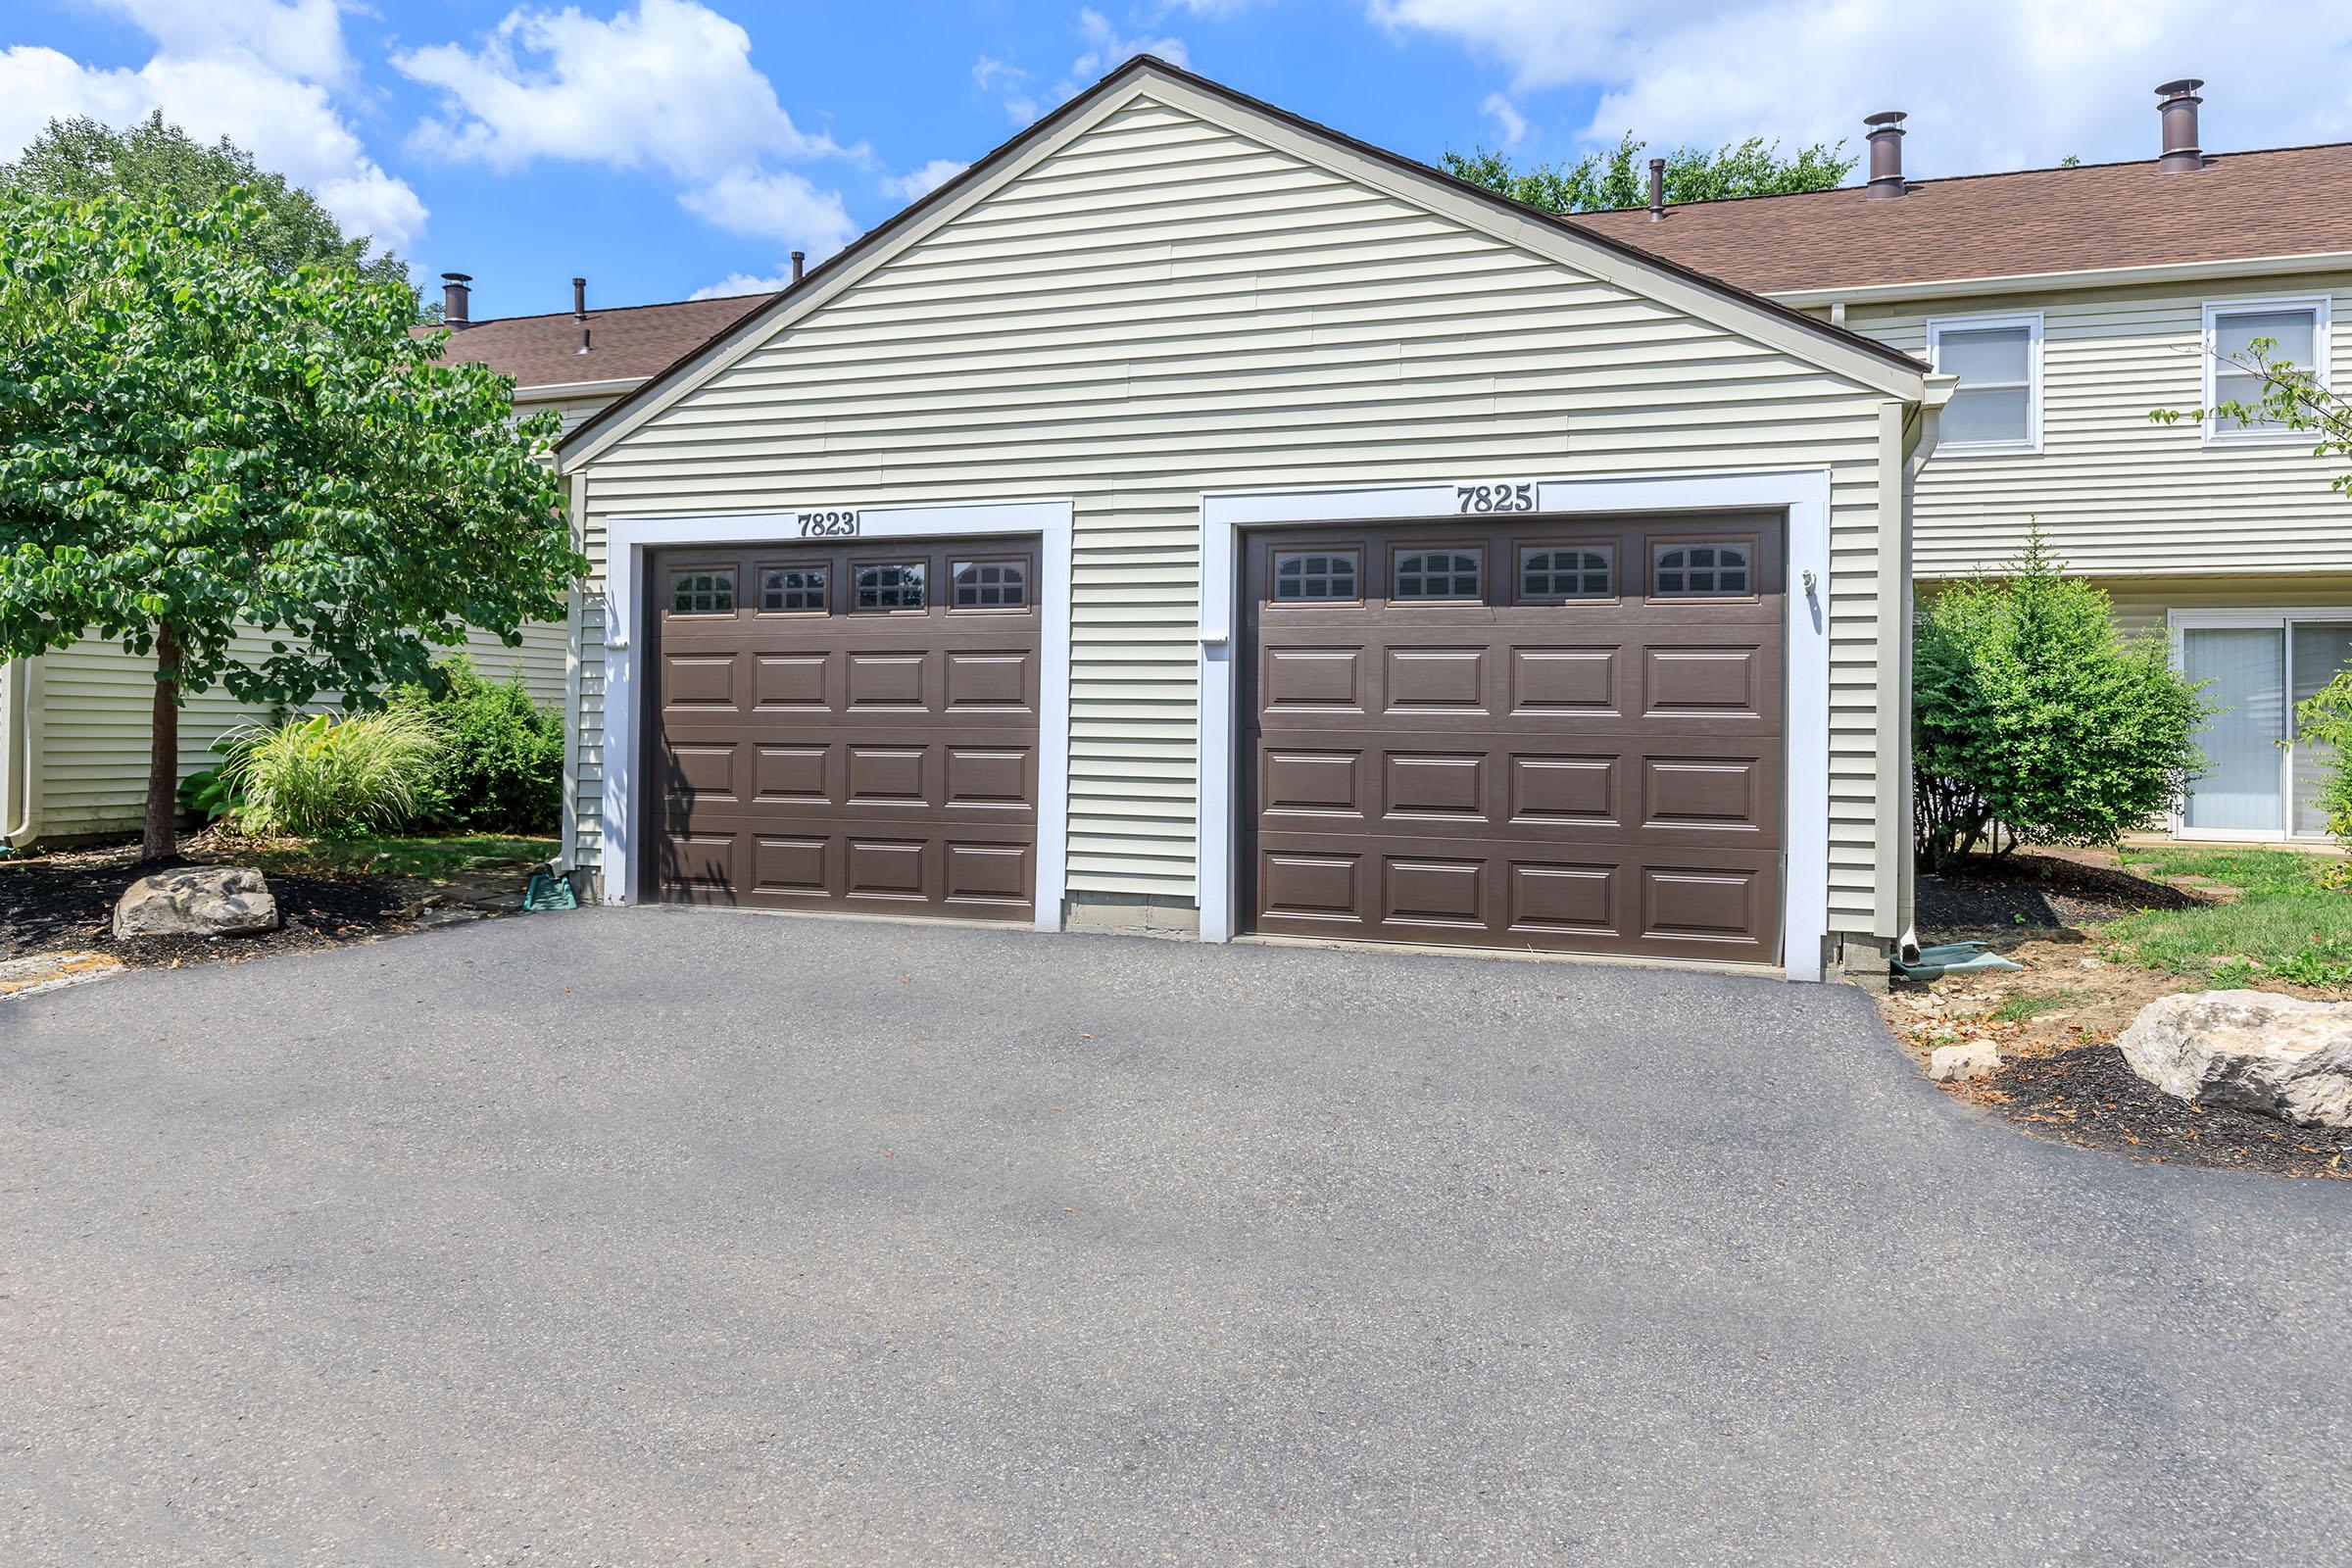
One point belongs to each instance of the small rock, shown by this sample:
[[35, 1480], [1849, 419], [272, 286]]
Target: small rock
[[1970, 1058], [201, 901], [2276, 1056]]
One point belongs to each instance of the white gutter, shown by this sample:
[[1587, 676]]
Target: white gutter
[[19, 776], [556, 391], [2084, 277]]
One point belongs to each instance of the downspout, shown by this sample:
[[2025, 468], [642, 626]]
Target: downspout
[[19, 772], [568, 857], [1920, 438]]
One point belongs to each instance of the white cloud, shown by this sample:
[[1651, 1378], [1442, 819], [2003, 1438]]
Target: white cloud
[[667, 87], [2016, 82], [989, 73], [303, 38], [735, 283], [288, 125], [776, 204], [1509, 123], [1107, 51], [1104, 51], [918, 183], [670, 85]]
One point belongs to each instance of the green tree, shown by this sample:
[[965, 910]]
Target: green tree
[[1619, 177], [152, 161], [2036, 721], [191, 442]]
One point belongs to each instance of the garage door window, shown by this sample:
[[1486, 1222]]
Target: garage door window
[[991, 585], [1303, 576], [1576, 572], [702, 593], [792, 590], [1425, 574], [1700, 571], [898, 586]]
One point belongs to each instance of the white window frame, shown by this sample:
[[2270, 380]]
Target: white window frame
[[2178, 624], [1801, 495], [2031, 321], [630, 540], [2321, 352]]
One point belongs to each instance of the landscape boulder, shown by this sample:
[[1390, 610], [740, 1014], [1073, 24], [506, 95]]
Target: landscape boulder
[[196, 900], [2280, 1055], [1968, 1060]]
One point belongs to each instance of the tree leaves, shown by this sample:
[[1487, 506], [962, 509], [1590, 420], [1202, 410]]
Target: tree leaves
[[1603, 182], [190, 434]]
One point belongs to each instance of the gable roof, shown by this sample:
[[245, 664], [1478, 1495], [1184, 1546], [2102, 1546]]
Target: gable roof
[[629, 343], [1504, 214], [2294, 201]]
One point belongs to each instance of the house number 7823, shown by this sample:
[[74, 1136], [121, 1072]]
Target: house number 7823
[[1506, 497], [828, 525]]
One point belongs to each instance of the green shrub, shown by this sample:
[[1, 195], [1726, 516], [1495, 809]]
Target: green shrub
[[503, 769], [211, 793], [2036, 721], [2325, 719], [334, 777]]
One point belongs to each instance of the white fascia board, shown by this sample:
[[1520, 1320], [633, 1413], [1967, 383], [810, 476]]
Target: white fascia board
[[565, 391], [629, 539], [2055, 282], [1802, 495]]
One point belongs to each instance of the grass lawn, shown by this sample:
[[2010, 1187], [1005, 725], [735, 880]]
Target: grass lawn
[[2285, 925], [433, 859]]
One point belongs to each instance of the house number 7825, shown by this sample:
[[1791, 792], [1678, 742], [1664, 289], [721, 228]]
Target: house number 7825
[[1507, 497]]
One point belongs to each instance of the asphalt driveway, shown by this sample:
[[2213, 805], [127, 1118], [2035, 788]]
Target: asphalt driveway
[[655, 1236]]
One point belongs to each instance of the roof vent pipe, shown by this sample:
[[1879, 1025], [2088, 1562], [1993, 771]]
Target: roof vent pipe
[[1886, 157], [453, 297], [800, 259], [1658, 189], [580, 299], [2179, 107], [583, 348]]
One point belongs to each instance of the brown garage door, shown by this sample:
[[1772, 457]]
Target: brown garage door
[[1548, 734], [848, 728]]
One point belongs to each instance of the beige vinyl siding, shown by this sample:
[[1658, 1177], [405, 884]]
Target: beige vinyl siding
[[576, 411], [91, 733], [2114, 492], [2141, 604], [1168, 307]]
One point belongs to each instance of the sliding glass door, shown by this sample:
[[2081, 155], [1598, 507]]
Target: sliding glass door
[[2261, 778], [2315, 650]]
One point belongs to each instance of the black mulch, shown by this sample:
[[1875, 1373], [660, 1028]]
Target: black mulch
[[66, 902], [2045, 889], [2090, 1097]]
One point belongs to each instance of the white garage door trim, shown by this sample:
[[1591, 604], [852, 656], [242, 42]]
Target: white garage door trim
[[630, 538], [1803, 494]]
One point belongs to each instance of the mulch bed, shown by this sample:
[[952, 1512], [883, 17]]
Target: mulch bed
[[2090, 1097], [64, 901], [2044, 890]]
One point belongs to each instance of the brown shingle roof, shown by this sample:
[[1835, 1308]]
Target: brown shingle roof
[[630, 343], [2290, 202]]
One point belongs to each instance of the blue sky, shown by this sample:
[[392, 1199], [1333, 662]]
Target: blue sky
[[664, 147]]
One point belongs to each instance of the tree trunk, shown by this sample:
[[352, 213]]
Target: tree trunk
[[162, 837]]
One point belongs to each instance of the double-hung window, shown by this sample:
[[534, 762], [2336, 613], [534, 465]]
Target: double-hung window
[[2291, 332], [1997, 410]]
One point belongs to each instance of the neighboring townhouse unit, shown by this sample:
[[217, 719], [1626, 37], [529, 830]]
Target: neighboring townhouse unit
[[74, 735], [2069, 303], [1192, 518]]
